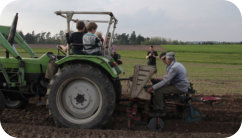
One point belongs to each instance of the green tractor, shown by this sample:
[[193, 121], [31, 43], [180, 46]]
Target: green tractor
[[82, 93]]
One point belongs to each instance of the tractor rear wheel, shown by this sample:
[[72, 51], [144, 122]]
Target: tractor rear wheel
[[2, 104], [81, 96]]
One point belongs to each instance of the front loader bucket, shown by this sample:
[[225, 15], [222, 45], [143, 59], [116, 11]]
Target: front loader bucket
[[13, 30]]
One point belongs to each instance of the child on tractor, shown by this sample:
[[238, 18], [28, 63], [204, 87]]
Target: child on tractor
[[99, 35], [91, 42], [76, 39]]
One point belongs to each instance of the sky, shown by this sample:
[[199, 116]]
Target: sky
[[185, 20]]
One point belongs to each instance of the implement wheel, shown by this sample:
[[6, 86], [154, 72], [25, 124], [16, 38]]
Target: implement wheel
[[14, 101], [156, 124], [192, 114], [81, 96]]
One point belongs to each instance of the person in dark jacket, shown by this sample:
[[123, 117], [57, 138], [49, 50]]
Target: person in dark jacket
[[152, 56], [76, 39]]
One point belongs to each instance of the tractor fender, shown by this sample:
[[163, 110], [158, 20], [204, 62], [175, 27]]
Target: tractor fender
[[98, 61]]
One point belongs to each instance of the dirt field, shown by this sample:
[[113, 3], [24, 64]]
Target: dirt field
[[222, 121]]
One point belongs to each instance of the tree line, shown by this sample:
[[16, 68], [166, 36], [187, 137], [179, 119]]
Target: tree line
[[43, 37], [119, 39], [134, 39]]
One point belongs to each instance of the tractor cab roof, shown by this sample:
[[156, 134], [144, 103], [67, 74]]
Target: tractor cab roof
[[111, 23]]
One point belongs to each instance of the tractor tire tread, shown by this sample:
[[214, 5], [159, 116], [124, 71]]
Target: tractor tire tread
[[108, 110]]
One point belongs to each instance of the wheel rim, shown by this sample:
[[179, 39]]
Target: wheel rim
[[79, 100]]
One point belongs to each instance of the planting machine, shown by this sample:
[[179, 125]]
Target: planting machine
[[140, 101]]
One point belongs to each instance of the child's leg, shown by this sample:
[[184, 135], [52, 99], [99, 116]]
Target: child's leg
[[63, 47]]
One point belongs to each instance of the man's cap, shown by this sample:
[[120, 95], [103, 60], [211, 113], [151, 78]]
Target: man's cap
[[170, 55]]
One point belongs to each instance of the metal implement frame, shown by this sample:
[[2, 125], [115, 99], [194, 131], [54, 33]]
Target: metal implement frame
[[69, 15]]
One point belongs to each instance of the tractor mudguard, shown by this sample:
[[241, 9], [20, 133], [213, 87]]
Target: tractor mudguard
[[97, 60]]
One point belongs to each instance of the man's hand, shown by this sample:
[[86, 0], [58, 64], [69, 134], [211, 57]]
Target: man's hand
[[150, 89]]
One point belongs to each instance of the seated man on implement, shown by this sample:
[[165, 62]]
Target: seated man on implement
[[175, 82]]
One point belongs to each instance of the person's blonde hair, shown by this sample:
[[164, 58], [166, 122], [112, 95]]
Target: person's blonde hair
[[98, 34], [91, 25]]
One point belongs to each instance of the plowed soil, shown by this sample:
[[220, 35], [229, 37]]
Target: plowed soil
[[223, 120]]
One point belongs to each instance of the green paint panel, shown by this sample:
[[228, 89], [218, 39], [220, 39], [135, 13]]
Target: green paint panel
[[32, 65], [9, 62]]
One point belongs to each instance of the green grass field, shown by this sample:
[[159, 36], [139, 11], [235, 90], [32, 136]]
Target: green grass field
[[214, 69], [219, 48]]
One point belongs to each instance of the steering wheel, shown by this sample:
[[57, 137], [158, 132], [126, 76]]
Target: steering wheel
[[59, 49], [12, 31]]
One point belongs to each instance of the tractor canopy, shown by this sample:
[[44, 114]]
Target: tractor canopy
[[111, 24], [105, 61]]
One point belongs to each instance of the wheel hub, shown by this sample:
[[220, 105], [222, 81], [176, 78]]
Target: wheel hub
[[80, 100]]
